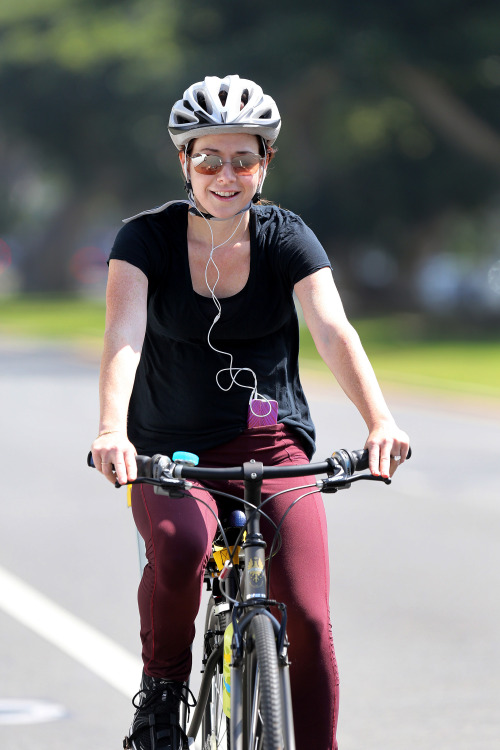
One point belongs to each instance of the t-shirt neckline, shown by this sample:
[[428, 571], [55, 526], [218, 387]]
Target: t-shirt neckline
[[202, 298]]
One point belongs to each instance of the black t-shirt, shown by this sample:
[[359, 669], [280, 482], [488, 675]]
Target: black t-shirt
[[176, 403]]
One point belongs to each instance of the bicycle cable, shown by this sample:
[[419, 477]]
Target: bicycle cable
[[230, 553], [277, 538], [272, 497], [238, 500]]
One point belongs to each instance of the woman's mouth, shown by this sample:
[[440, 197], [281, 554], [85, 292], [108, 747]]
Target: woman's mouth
[[225, 195]]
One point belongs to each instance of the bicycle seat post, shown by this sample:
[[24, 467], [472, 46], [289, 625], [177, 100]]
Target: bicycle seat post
[[254, 584]]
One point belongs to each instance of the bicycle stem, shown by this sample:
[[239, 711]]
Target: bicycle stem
[[254, 547]]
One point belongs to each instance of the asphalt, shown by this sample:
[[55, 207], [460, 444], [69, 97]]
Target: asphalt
[[415, 567]]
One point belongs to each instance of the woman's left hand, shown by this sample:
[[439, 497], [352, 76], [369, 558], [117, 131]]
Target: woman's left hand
[[388, 446]]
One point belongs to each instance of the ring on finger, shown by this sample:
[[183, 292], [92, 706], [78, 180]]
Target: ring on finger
[[396, 458]]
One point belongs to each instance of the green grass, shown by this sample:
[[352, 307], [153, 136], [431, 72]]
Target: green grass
[[406, 350], [411, 351], [471, 367], [52, 318]]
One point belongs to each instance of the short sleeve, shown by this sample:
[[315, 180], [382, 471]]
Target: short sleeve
[[300, 251], [134, 244]]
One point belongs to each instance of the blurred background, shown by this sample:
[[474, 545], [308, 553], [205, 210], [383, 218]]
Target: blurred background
[[390, 146], [390, 151]]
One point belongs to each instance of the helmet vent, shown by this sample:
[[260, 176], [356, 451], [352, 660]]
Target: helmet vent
[[203, 117], [200, 97]]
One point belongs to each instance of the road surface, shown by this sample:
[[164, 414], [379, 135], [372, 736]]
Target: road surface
[[415, 571]]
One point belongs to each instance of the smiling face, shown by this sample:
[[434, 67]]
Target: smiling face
[[225, 193]]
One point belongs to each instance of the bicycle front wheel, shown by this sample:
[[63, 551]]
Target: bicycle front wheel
[[215, 725], [261, 689]]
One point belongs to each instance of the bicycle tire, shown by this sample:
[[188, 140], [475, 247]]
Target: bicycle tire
[[214, 723], [261, 689]]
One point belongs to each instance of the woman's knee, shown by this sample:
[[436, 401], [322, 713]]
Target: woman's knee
[[179, 548], [308, 626]]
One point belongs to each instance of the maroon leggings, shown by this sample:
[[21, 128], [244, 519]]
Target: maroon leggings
[[178, 534]]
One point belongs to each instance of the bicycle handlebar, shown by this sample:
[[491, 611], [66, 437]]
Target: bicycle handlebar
[[342, 462], [358, 460]]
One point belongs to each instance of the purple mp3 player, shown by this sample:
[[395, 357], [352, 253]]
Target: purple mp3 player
[[262, 413]]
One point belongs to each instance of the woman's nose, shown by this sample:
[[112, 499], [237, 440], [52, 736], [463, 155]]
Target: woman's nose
[[227, 172]]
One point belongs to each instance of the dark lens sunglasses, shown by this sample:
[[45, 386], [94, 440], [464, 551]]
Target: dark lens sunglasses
[[210, 164]]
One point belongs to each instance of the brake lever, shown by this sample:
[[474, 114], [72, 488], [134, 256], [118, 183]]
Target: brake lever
[[332, 484], [168, 486]]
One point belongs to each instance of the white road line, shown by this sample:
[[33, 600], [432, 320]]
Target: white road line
[[29, 712], [82, 642]]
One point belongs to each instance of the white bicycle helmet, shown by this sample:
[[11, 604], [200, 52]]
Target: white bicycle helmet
[[224, 105]]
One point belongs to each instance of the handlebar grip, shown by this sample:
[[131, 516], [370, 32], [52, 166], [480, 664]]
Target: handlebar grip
[[360, 459], [144, 466]]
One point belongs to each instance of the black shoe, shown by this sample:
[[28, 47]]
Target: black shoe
[[156, 721]]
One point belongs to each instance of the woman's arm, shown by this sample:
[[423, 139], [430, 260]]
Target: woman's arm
[[126, 308], [340, 347]]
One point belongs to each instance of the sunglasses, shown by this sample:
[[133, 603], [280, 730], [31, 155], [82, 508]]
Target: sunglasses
[[246, 164]]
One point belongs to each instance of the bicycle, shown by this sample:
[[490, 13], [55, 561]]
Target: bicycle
[[244, 700]]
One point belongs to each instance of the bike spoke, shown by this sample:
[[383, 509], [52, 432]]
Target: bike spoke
[[256, 718]]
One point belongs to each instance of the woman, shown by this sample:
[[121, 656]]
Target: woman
[[201, 333]]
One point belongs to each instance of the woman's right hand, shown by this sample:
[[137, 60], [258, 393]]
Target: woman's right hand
[[114, 456]]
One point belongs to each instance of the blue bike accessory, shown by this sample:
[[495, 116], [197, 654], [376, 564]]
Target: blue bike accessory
[[186, 458]]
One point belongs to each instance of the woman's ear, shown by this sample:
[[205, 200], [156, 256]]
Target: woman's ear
[[183, 160]]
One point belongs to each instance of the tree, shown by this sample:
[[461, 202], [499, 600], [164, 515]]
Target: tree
[[391, 115], [84, 85]]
